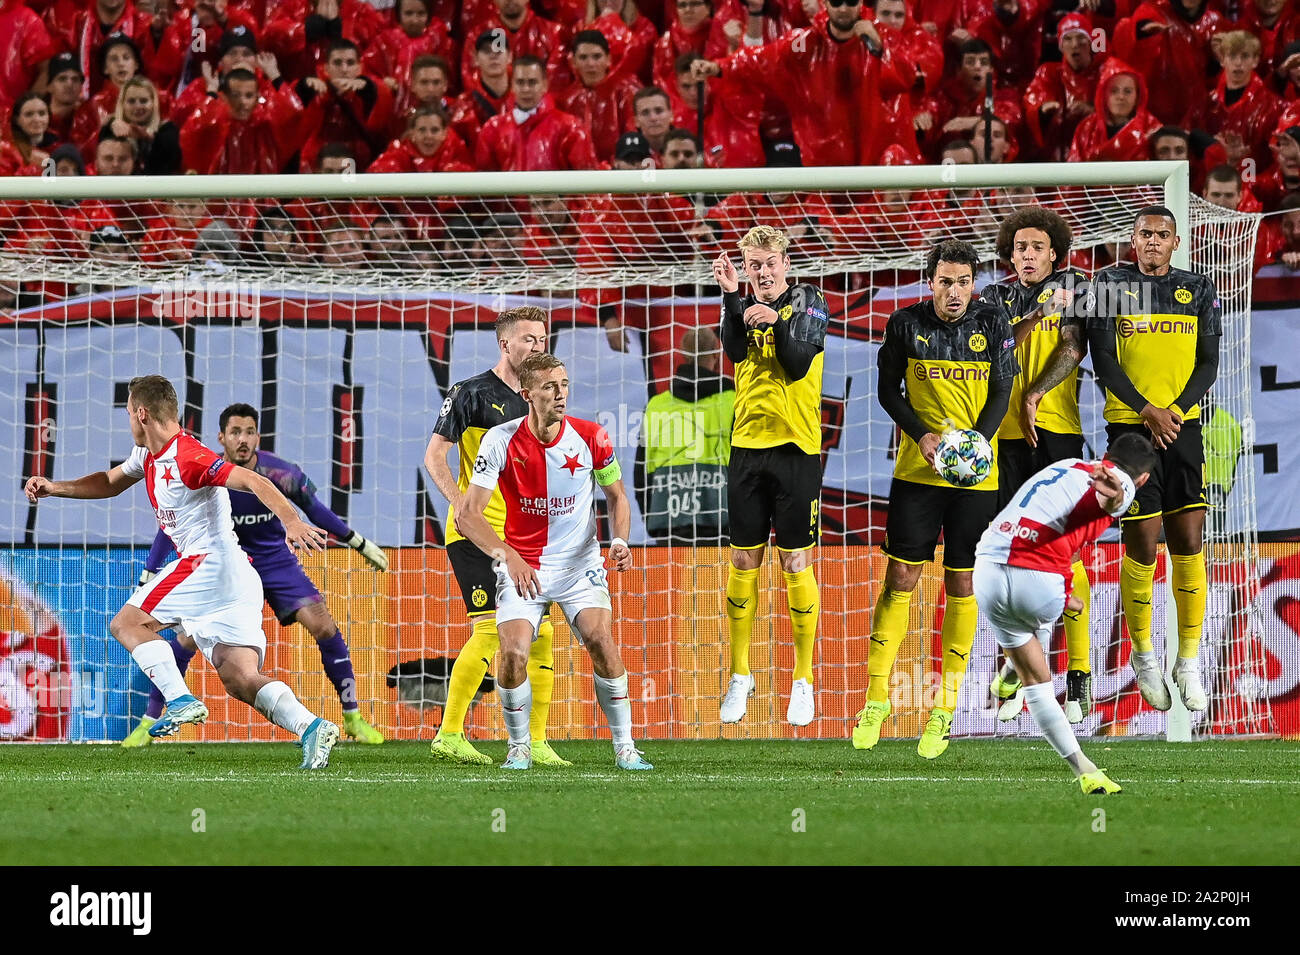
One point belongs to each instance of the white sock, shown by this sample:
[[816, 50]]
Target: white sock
[[612, 695], [516, 705], [158, 662], [277, 703], [1049, 716]]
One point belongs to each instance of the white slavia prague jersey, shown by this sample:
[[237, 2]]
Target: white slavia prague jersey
[[186, 486], [549, 490], [1050, 517]]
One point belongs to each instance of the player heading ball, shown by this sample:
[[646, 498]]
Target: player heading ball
[[776, 337]]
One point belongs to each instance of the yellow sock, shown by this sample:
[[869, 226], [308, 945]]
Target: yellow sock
[[541, 676], [468, 671], [888, 628], [805, 607], [1187, 577], [742, 603], [1136, 582], [1078, 643], [958, 634]]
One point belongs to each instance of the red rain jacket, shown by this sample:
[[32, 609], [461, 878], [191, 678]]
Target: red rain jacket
[[214, 142], [1057, 83], [1017, 43], [536, 36], [549, 139], [832, 91], [1093, 143], [1253, 117], [301, 51], [75, 27], [1174, 62]]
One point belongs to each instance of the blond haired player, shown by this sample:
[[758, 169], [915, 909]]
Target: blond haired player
[[211, 589], [473, 407], [547, 466], [776, 338]]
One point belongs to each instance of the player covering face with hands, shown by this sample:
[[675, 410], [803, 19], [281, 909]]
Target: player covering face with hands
[[547, 465], [211, 589], [1022, 572]]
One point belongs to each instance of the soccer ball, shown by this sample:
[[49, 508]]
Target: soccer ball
[[963, 458]]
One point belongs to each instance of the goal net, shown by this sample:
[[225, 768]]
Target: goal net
[[344, 308]]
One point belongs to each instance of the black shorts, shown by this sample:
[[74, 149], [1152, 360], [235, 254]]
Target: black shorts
[[917, 512], [1178, 481], [1018, 462], [774, 489], [477, 579]]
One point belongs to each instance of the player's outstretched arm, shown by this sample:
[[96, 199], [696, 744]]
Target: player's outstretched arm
[[297, 532], [92, 487], [303, 494], [620, 520], [471, 522]]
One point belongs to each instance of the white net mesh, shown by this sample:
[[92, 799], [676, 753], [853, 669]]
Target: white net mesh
[[345, 321]]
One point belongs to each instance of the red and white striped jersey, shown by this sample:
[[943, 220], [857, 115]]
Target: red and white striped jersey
[[186, 485], [549, 489], [1050, 517]]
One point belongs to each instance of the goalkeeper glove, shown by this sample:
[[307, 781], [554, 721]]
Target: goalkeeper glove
[[147, 575], [375, 557]]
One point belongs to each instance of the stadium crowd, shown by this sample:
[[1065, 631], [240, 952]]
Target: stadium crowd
[[156, 87]]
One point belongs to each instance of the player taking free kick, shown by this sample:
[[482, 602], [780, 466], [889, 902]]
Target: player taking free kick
[[1023, 572], [288, 589], [547, 465], [211, 589]]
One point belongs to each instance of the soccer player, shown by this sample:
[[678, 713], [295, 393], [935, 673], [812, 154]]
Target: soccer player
[[473, 407], [1154, 332], [288, 589], [211, 589], [776, 338], [547, 466], [948, 361], [1022, 572], [1042, 424]]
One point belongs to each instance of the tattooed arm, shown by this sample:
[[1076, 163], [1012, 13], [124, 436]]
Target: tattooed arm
[[1065, 358]]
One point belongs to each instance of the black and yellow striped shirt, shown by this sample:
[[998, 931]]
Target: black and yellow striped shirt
[[473, 406]]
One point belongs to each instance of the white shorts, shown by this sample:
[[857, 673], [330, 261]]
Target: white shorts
[[1020, 603], [216, 597], [575, 589]]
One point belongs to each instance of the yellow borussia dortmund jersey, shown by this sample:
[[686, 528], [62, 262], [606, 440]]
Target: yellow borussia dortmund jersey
[[474, 406], [774, 407], [1157, 321], [1059, 410], [946, 368]]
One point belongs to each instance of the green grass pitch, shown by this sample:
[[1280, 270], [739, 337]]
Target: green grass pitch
[[983, 802]]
